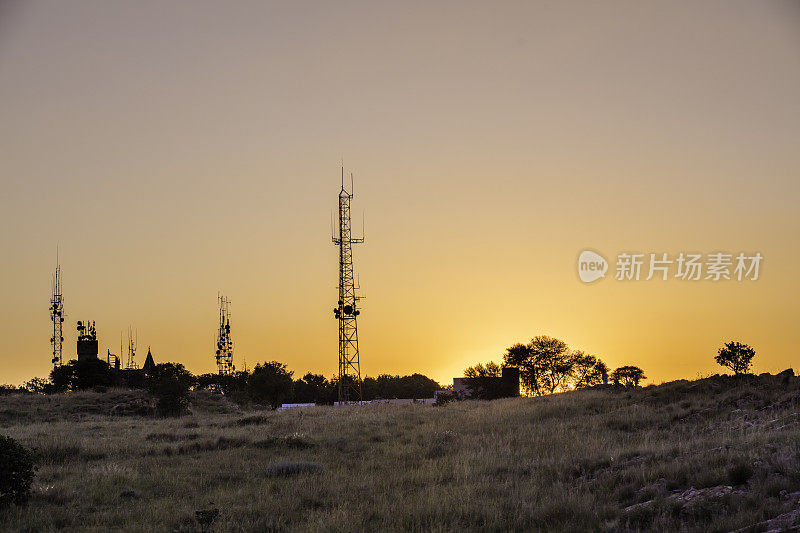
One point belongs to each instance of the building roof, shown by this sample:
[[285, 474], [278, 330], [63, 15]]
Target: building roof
[[149, 363]]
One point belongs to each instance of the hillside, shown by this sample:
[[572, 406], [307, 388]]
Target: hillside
[[718, 454]]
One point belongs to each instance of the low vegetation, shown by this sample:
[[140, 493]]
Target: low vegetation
[[717, 454], [16, 472]]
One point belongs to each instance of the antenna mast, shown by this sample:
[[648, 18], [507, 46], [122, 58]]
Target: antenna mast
[[346, 310], [224, 341], [57, 316], [131, 350]]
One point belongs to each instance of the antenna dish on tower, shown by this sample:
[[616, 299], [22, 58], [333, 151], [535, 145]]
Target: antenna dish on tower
[[346, 309], [57, 316], [224, 352]]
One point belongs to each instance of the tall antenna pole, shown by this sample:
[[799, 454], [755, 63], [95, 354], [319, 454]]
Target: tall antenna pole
[[57, 316], [224, 353], [132, 338], [346, 310]]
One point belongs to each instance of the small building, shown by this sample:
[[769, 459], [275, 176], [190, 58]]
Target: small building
[[87, 341], [504, 386], [403, 401], [285, 406]]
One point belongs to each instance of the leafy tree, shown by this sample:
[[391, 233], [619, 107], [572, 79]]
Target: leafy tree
[[588, 370], [311, 388], [8, 389], [38, 386], [233, 385], [520, 356], [482, 382], [82, 375], [546, 364], [62, 377], [629, 376], [490, 369], [16, 472], [207, 381], [736, 356], [170, 384], [386, 386], [93, 373], [270, 383]]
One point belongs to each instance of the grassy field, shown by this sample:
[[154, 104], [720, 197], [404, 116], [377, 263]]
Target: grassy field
[[717, 454]]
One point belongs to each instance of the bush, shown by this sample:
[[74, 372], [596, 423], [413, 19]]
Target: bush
[[270, 383], [170, 386], [16, 472]]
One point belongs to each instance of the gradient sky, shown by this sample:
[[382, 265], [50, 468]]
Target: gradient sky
[[175, 149]]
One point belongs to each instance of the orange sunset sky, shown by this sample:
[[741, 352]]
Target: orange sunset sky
[[171, 150]]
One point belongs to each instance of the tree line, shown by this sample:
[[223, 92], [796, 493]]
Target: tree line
[[269, 383], [548, 365]]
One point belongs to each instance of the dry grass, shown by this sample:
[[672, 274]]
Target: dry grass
[[589, 460]]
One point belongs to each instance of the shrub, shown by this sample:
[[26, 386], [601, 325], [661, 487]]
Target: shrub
[[170, 385], [16, 472]]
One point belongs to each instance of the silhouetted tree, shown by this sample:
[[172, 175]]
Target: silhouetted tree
[[93, 373], [587, 370], [386, 386], [82, 375], [736, 356], [311, 388], [270, 383], [8, 389], [170, 384], [545, 364], [629, 376], [482, 382], [63, 376], [490, 369], [38, 386], [207, 381]]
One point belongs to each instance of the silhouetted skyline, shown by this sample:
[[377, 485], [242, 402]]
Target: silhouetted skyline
[[173, 151]]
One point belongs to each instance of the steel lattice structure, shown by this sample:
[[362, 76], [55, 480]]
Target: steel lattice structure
[[132, 342], [224, 341], [57, 316], [346, 311]]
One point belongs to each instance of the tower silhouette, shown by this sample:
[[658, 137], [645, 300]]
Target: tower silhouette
[[346, 310], [57, 316], [132, 342], [224, 352]]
